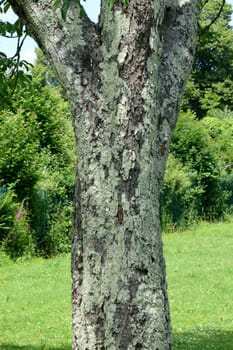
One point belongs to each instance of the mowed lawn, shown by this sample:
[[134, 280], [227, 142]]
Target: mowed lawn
[[200, 280], [35, 305], [35, 311]]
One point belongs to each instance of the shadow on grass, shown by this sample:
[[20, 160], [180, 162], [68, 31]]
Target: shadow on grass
[[193, 340], [31, 347], [203, 340]]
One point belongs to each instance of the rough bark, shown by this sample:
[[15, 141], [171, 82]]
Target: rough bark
[[124, 79]]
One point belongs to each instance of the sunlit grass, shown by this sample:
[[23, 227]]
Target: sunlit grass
[[35, 310], [200, 270]]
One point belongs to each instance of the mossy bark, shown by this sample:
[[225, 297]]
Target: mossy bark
[[124, 79]]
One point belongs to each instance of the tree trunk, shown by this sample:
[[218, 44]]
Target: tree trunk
[[124, 79]]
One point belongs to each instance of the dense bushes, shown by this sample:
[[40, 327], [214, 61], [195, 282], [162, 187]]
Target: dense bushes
[[7, 212], [36, 169], [19, 147], [180, 197], [15, 234], [198, 181]]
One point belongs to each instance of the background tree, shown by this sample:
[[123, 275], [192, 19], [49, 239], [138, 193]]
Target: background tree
[[210, 83], [124, 79]]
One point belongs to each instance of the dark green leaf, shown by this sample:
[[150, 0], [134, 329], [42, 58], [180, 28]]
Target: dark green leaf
[[6, 7], [111, 3], [65, 8], [80, 11]]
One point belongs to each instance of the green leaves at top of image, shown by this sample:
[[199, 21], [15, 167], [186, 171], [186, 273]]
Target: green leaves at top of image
[[64, 6]]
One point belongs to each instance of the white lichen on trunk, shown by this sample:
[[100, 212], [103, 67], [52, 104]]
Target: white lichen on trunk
[[124, 79]]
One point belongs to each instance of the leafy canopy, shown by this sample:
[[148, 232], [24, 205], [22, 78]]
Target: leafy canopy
[[13, 71], [210, 84]]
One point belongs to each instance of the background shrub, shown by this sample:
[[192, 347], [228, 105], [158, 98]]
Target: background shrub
[[180, 196], [8, 210], [19, 147], [38, 164], [19, 241], [198, 179]]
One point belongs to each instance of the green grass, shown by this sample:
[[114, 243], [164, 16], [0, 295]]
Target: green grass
[[200, 280], [35, 311]]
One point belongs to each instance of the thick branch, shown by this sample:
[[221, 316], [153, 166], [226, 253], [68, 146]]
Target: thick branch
[[178, 34], [70, 45]]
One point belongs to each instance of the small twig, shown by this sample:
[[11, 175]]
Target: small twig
[[11, 36], [15, 71]]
